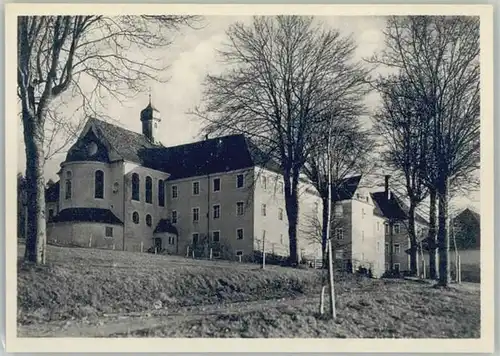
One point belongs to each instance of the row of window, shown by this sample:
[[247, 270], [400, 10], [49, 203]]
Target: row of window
[[136, 219], [215, 236], [98, 185], [148, 186], [216, 212], [397, 248]]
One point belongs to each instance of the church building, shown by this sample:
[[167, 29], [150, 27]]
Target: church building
[[124, 190]]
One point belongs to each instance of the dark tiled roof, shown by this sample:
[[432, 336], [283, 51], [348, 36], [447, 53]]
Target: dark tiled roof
[[346, 188], [130, 145], [164, 225], [87, 215], [394, 208], [52, 193], [469, 212], [376, 209], [194, 159]]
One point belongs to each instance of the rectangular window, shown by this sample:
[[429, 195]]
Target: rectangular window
[[216, 184], [378, 246], [396, 229], [239, 234], [264, 182], [378, 225], [196, 214], [263, 210], [397, 248], [362, 235], [195, 238], [387, 248], [51, 214], [362, 213], [339, 210], [109, 231], [339, 254], [196, 188], [280, 188], [386, 227], [239, 253], [240, 208], [280, 214], [216, 209], [281, 239], [339, 233], [240, 181], [174, 216], [215, 236], [175, 192]]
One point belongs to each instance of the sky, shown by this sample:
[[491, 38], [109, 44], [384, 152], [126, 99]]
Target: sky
[[191, 57]]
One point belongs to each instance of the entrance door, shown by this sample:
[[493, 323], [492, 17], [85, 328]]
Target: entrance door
[[158, 243]]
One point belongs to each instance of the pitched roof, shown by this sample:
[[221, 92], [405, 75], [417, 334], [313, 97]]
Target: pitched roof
[[164, 225], [210, 156], [394, 208], [346, 188], [470, 213], [52, 193], [87, 215]]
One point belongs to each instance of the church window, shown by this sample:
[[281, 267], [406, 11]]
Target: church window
[[109, 231], [161, 193], [135, 217], [149, 190], [68, 189], [135, 187], [149, 220], [99, 185]]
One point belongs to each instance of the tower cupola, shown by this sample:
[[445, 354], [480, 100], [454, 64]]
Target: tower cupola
[[150, 119]]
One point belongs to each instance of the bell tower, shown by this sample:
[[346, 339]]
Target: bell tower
[[150, 118]]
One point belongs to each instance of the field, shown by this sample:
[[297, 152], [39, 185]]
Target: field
[[84, 292]]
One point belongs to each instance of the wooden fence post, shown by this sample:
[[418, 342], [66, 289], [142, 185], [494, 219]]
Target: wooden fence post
[[210, 253], [90, 241], [239, 258], [142, 246], [187, 252]]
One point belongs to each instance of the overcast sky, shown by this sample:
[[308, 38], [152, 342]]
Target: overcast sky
[[191, 56]]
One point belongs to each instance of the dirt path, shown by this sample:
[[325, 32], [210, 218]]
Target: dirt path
[[125, 323]]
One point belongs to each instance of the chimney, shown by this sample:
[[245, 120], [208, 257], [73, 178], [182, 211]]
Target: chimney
[[387, 191]]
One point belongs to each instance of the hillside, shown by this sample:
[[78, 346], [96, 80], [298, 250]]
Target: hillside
[[132, 294]]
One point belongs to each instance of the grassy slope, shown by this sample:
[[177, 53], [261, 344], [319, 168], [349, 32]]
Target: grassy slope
[[86, 283]]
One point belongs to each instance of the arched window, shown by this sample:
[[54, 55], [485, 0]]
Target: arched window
[[161, 193], [68, 189], [99, 185], [149, 220], [135, 187], [135, 217], [149, 190]]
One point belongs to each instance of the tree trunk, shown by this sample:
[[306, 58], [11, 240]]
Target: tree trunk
[[35, 189], [292, 209], [413, 239], [443, 234], [324, 228], [432, 236]]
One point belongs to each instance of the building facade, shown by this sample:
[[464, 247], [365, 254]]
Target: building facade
[[124, 190]]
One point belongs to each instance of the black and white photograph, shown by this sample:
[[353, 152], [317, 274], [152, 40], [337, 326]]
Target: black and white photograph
[[251, 174]]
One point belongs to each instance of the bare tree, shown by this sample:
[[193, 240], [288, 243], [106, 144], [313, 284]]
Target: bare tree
[[350, 148], [61, 54], [439, 56], [400, 123], [282, 75]]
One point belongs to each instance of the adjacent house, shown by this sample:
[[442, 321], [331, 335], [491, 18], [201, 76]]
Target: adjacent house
[[124, 190], [397, 241], [358, 239], [466, 241]]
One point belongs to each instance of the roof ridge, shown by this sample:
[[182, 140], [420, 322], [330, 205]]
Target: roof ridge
[[210, 139]]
